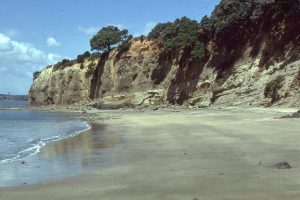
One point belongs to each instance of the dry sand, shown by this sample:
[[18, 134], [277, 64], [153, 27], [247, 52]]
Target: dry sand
[[205, 154]]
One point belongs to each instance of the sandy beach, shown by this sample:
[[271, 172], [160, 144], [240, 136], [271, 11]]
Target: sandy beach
[[211, 154]]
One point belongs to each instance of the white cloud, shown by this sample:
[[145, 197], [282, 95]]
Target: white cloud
[[147, 28], [52, 42], [18, 60], [5, 43]]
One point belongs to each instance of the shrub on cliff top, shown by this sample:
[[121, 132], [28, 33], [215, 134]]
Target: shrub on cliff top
[[107, 37], [63, 64], [36, 74], [229, 13], [81, 57], [157, 31], [180, 34], [64, 61]]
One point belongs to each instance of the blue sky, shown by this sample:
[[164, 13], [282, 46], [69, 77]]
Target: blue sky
[[35, 33]]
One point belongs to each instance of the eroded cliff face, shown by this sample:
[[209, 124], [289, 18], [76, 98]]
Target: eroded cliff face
[[62, 86], [242, 60]]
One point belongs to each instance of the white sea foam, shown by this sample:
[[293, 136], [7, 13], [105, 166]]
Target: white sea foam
[[38, 145]]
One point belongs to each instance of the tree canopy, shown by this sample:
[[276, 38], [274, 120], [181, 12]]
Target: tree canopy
[[157, 31], [239, 13], [179, 34], [107, 37]]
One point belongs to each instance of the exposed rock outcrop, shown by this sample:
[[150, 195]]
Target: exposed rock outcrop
[[243, 56], [64, 85]]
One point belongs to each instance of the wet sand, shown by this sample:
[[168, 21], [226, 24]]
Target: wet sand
[[205, 154], [64, 158]]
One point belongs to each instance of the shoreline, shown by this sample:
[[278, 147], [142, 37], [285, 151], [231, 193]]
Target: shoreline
[[15, 108], [41, 157], [94, 115], [28, 158], [152, 149], [76, 133]]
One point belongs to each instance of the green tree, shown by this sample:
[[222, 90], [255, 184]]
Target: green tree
[[206, 23], [80, 58], [107, 37], [181, 33], [157, 31]]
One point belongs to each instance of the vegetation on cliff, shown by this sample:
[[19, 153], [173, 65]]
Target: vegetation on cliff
[[36, 74], [232, 13], [235, 25], [177, 35], [272, 87], [189, 59], [81, 57], [108, 37]]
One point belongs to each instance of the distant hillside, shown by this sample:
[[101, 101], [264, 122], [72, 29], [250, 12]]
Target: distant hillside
[[14, 97]]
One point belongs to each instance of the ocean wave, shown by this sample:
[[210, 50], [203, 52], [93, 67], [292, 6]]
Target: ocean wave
[[38, 144]]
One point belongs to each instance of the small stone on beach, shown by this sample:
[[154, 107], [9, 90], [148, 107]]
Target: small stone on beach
[[283, 165]]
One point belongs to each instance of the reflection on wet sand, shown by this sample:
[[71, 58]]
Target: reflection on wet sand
[[84, 149], [92, 149]]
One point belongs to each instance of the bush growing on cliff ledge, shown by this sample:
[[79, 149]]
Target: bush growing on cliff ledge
[[271, 89], [90, 71], [107, 37]]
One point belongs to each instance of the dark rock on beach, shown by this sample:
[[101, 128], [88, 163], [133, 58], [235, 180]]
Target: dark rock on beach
[[282, 165], [294, 115]]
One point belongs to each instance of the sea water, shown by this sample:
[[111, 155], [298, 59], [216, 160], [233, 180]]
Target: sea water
[[6, 103], [23, 132]]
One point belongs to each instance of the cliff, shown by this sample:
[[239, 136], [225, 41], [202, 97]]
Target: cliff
[[252, 57]]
